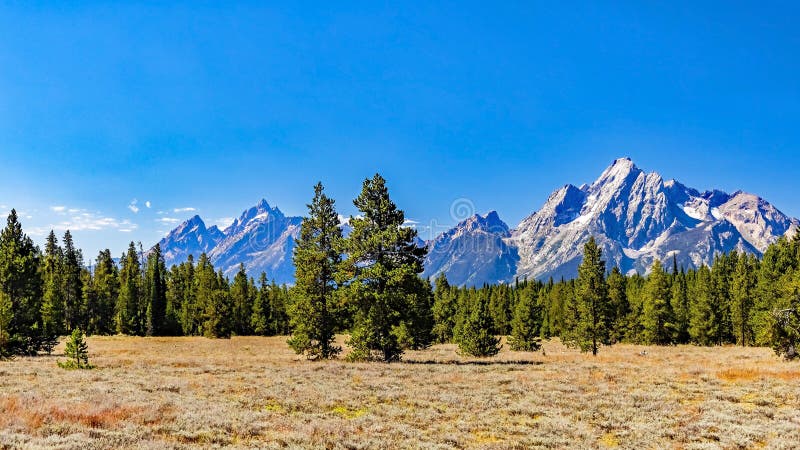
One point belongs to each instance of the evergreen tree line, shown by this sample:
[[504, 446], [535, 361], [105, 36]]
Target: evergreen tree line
[[48, 294], [367, 285], [739, 299]]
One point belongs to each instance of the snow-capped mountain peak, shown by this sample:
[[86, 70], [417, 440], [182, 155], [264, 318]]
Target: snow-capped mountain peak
[[189, 238], [636, 217]]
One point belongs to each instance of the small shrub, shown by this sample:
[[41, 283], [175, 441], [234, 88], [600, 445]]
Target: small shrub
[[785, 333], [476, 336], [77, 351]]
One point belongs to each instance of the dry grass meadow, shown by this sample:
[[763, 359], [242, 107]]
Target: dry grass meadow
[[255, 393]]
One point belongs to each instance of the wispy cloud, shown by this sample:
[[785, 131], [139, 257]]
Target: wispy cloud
[[224, 222], [147, 204], [78, 219], [132, 206], [168, 220], [182, 210]]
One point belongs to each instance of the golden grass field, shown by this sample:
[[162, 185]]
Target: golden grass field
[[255, 393]]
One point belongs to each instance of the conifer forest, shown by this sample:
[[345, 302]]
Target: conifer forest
[[367, 285]]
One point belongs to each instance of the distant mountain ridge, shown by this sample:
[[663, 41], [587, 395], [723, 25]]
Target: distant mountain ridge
[[262, 238], [636, 217]]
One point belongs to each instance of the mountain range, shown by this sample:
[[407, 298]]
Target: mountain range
[[636, 217], [262, 238]]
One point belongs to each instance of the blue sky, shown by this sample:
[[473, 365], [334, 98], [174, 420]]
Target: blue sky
[[197, 107]]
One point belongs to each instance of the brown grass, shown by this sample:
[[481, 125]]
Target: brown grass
[[255, 393], [33, 413]]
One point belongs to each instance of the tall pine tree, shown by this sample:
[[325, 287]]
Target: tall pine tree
[[155, 288], [71, 283], [317, 256], [742, 292], [20, 292], [127, 314], [53, 301], [588, 322], [242, 303], [382, 261], [657, 325]]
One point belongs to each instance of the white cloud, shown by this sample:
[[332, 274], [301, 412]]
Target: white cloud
[[224, 222], [76, 219], [132, 206], [410, 223], [147, 204], [180, 210], [168, 220], [58, 209]]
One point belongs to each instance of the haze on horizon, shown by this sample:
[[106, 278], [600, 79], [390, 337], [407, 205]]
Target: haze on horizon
[[119, 122]]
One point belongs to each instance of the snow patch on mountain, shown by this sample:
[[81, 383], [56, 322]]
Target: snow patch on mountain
[[636, 217]]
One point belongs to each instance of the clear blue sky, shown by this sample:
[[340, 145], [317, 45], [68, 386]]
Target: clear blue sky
[[212, 108]]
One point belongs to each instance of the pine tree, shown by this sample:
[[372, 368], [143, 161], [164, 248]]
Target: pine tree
[[89, 299], [71, 283], [317, 256], [185, 282], [382, 259], [213, 297], [657, 325], [106, 290], [679, 302], [279, 318], [526, 324], [416, 328], [476, 336], [500, 307], [784, 332], [242, 303], [127, 316], [634, 290], [742, 290], [52, 302], [20, 292], [444, 309], [259, 321], [767, 293], [704, 314], [721, 282], [77, 352], [783, 326], [618, 303], [588, 319], [156, 293], [7, 349]]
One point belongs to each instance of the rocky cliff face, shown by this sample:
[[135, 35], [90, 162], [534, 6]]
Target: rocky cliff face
[[637, 217], [262, 239]]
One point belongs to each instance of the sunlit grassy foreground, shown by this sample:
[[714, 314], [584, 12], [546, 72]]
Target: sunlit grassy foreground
[[256, 393]]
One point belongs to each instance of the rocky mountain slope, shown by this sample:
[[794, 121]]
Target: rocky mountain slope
[[636, 217], [262, 239]]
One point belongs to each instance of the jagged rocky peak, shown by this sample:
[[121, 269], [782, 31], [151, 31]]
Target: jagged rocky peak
[[621, 171], [194, 222], [638, 217], [262, 211], [758, 220], [189, 238], [490, 223], [473, 252]]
